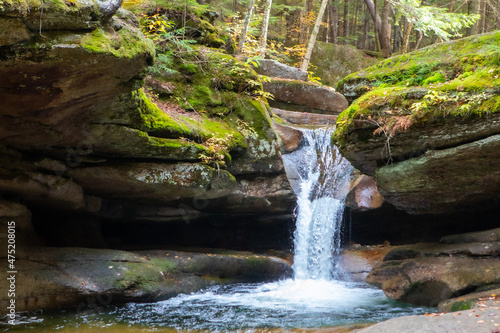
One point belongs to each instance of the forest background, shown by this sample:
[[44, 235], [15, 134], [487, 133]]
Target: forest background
[[380, 28]]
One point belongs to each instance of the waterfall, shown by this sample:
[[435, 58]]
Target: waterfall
[[322, 177]]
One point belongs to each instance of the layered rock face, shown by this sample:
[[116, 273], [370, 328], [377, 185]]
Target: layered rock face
[[430, 273], [78, 135], [426, 127], [99, 161]]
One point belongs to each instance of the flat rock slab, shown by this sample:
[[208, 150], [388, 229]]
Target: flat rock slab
[[483, 320], [63, 277], [305, 118]]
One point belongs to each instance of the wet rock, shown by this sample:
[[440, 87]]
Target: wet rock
[[429, 273], [236, 266], [364, 194], [291, 138], [314, 98], [57, 277], [358, 261], [480, 300], [475, 321], [428, 281], [273, 68]]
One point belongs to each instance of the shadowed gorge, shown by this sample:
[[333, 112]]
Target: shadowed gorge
[[155, 176]]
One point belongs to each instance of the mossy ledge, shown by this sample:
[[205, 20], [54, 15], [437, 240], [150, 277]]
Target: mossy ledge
[[457, 81]]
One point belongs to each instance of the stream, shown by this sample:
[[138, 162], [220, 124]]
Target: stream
[[318, 296]]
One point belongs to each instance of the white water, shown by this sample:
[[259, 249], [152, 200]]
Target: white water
[[315, 297], [324, 182]]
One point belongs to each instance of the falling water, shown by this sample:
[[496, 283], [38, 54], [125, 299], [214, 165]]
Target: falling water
[[314, 298], [323, 179]]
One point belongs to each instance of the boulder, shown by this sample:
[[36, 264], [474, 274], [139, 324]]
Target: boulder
[[273, 68], [298, 95], [364, 193], [57, 15], [428, 281], [479, 300], [291, 138], [429, 273], [333, 62], [357, 261], [18, 218]]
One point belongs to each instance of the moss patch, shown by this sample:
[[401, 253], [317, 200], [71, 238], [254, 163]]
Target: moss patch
[[124, 43], [453, 81]]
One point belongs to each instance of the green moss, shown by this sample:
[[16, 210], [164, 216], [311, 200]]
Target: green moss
[[147, 277], [437, 77], [461, 306], [459, 82], [122, 44]]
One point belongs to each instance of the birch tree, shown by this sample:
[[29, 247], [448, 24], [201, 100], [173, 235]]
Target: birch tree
[[312, 39], [265, 26], [243, 35]]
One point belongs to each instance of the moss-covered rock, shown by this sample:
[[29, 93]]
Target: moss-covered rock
[[90, 278], [438, 103], [333, 62], [60, 15]]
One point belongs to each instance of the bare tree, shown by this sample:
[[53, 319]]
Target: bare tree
[[243, 35], [265, 25], [312, 39]]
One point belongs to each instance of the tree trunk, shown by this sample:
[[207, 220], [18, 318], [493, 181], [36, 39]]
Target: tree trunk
[[475, 10], [482, 12], [385, 31], [302, 23], [498, 15], [243, 35], [334, 22], [419, 39], [346, 21], [312, 39], [354, 24], [450, 6], [377, 23], [397, 37], [364, 38], [263, 32], [406, 38]]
